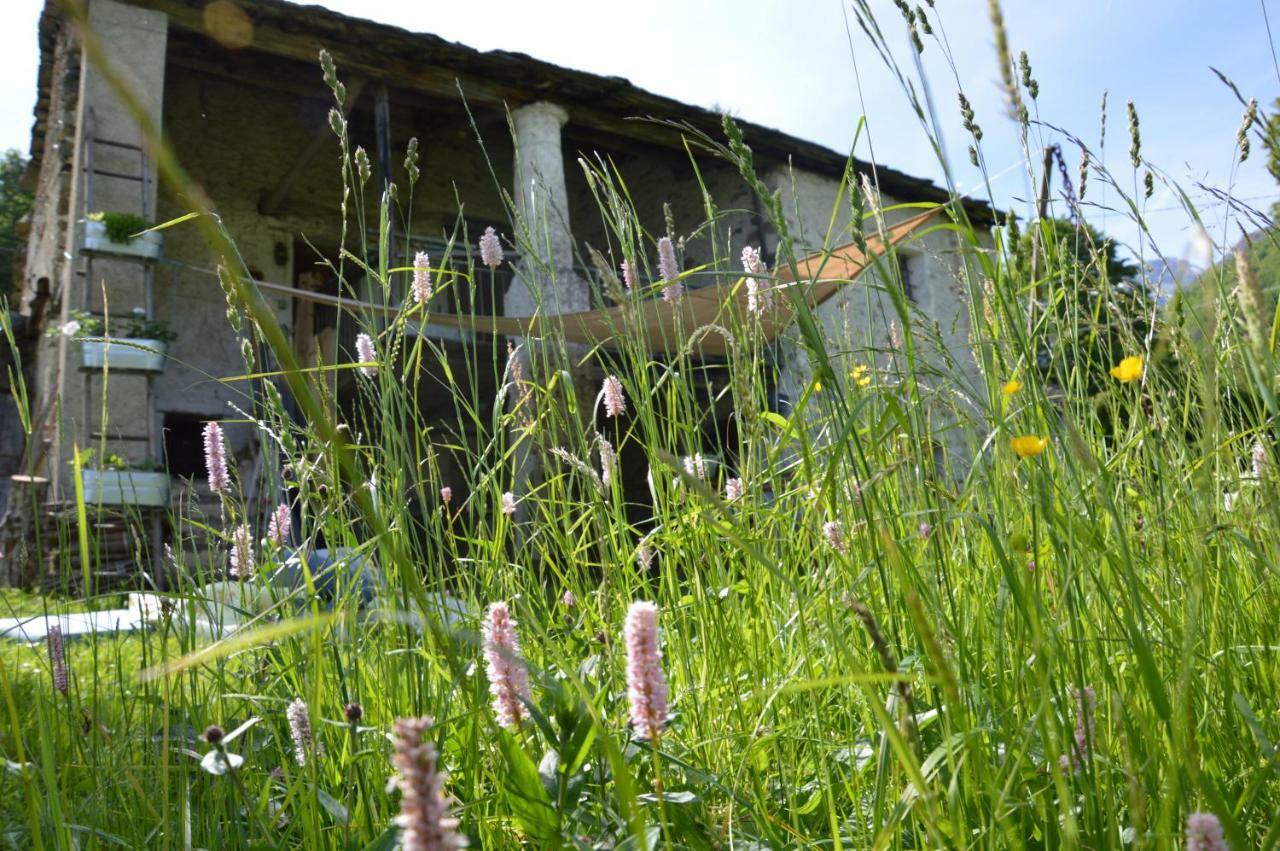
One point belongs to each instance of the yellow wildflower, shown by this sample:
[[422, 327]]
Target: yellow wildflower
[[1129, 369], [859, 375], [1012, 387], [1029, 445]]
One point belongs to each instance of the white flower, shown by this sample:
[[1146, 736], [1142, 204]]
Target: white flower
[[69, 329]]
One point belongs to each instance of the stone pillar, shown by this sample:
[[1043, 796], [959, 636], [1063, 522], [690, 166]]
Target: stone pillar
[[545, 281], [134, 41]]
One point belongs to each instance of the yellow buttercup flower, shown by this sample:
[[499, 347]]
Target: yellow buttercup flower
[[1129, 369], [1029, 445], [1012, 387], [859, 375]]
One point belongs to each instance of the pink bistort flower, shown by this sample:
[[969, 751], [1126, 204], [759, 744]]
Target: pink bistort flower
[[615, 404], [367, 354], [669, 270], [57, 659], [425, 821], [508, 677], [421, 278], [304, 743], [1204, 833], [646, 684], [834, 533], [280, 525], [490, 249], [242, 553], [215, 458], [759, 296], [608, 461], [733, 489]]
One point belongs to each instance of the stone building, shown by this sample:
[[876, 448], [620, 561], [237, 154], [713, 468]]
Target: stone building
[[236, 87]]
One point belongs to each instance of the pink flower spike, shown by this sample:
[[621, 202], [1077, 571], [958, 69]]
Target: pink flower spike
[[1086, 702], [608, 462], [615, 404], [759, 297], [304, 743], [733, 489], [57, 658], [695, 465], [446, 495], [421, 278], [490, 249], [644, 556], [668, 268], [508, 677], [425, 821], [215, 458], [367, 354], [508, 503], [1204, 833], [242, 553], [280, 525], [646, 684], [834, 533], [628, 275]]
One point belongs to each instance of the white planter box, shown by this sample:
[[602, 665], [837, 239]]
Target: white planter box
[[94, 240], [124, 354], [126, 487]]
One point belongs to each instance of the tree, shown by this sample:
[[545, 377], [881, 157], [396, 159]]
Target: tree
[[1101, 309], [14, 204]]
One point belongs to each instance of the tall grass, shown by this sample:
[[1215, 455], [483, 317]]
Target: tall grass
[[1070, 649]]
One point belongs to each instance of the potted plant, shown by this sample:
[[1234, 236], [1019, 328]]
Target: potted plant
[[116, 481], [135, 344], [121, 235]]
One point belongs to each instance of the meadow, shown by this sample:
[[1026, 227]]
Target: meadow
[[1028, 602]]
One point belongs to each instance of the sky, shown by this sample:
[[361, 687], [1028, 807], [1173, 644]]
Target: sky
[[804, 66]]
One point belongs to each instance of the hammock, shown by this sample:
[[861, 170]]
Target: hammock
[[666, 327]]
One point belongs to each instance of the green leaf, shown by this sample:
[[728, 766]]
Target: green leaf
[[526, 795], [385, 841], [333, 805]]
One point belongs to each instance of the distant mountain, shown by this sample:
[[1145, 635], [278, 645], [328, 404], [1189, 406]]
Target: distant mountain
[[1263, 250], [1165, 277]]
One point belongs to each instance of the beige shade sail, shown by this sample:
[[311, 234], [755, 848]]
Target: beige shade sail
[[667, 327]]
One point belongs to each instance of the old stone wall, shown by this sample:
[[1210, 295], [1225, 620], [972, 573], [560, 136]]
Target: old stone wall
[[662, 178], [857, 322]]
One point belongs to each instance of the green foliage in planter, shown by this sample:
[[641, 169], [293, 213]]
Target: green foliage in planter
[[121, 228], [114, 462], [142, 328], [136, 326]]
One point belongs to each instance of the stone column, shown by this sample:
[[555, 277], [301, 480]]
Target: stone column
[[545, 278], [545, 281], [134, 43]]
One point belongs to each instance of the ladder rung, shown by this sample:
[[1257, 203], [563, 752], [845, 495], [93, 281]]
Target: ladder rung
[[119, 174], [114, 144]]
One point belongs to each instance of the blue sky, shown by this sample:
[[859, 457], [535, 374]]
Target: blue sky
[[790, 65]]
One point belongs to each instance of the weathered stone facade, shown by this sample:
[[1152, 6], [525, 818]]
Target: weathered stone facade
[[243, 107]]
